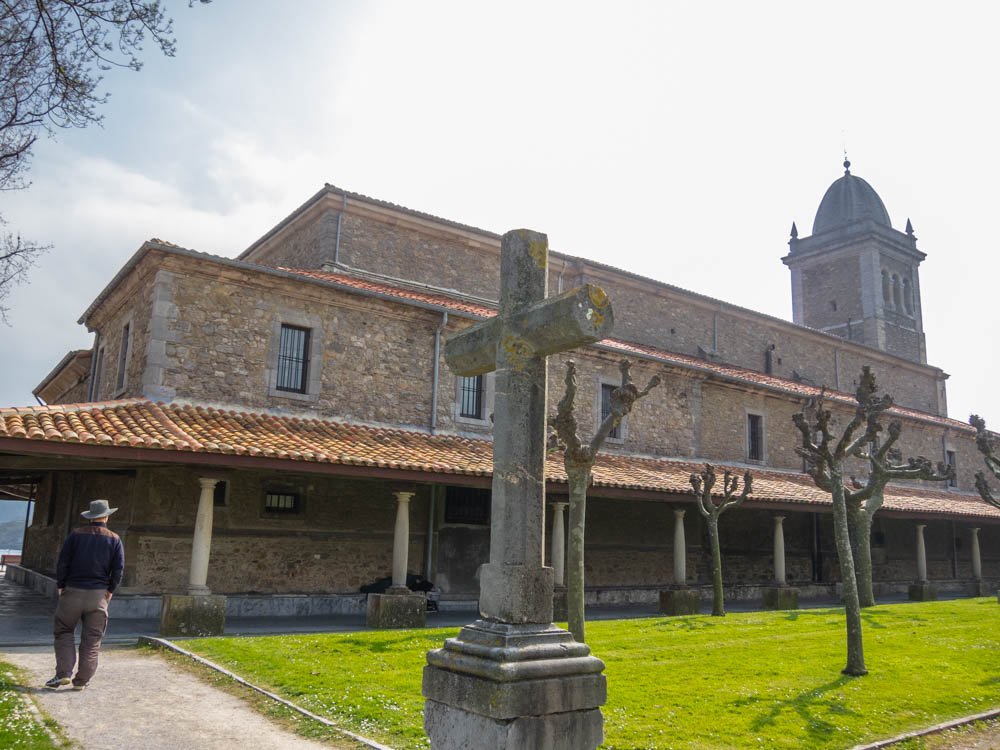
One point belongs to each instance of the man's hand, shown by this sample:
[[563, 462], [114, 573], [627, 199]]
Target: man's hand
[[108, 595], [60, 591]]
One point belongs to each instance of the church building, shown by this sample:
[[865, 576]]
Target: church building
[[271, 426]]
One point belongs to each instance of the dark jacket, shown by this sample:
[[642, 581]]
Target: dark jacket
[[92, 557]]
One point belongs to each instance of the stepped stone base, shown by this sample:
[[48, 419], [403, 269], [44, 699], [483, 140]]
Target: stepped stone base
[[505, 686], [680, 601], [397, 610], [192, 615], [922, 592], [781, 597]]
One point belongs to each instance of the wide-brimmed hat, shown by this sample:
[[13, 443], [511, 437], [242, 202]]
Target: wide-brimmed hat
[[98, 509]]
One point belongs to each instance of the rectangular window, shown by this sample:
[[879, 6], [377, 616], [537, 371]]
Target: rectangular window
[[122, 358], [470, 391], [98, 374], [952, 460], [281, 502], [606, 390], [755, 437], [219, 494], [293, 359], [467, 505]]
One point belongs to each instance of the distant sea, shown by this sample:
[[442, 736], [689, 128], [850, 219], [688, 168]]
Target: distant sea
[[10, 552]]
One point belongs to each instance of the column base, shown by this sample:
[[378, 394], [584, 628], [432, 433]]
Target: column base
[[191, 616], [980, 588], [922, 592], [500, 685], [781, 597], [397, 610], [680, 601]]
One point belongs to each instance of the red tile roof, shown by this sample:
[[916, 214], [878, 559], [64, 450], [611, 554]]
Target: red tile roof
[[208, 431]]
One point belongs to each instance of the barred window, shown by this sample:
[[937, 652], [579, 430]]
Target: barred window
[[293, 359], [470, 392], [755, 437], [951, 458], [467, 505], [606, 390], [281, 502]]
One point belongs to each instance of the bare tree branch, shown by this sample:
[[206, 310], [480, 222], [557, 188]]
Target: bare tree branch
[[984, 442]]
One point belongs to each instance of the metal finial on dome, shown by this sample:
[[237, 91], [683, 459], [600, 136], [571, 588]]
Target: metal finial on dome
[[795, 231], [847, 166], [909, 227]]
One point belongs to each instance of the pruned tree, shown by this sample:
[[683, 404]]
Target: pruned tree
[[826, 459], [885, 464], [51, 55], [986, 446], [578, 458], [701, 486]]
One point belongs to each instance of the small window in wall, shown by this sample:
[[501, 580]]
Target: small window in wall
[[755, 437], [886, 288], [467, 505], [951, 459], [907, 297], [897, 293], [120, 380], [606, 390], [470, 395], [220, 493], [282, 502], [98, 374], [293, 359]]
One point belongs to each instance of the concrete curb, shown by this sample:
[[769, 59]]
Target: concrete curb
[[936, 729], [169, 646]]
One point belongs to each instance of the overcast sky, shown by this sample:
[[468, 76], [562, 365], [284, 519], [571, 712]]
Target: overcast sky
[[675, 140]]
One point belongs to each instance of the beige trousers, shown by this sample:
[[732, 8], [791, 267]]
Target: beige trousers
[[89, 607]]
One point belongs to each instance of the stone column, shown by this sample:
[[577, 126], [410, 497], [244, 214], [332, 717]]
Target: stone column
[[401, 543], [977, 560], [558, 554], [921, 554], [680, 549], [779, 551], [201, 547]]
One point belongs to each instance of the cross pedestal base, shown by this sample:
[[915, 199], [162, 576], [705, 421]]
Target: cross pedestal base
[[192, 615], [529, 687], [397, 609]]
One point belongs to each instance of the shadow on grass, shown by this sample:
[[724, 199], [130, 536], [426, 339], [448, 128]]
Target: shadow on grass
[[808, 704], [689, 622], [382, 645]]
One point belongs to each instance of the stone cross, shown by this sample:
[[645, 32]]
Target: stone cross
[[512, 680], [514, 585]]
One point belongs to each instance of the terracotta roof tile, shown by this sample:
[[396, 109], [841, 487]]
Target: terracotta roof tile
[[142, 424]]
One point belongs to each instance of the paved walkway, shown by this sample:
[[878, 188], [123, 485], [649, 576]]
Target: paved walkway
[[138, 699]]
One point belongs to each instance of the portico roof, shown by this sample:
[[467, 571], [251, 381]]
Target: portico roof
[[140, 431]]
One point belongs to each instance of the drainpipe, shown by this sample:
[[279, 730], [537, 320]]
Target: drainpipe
[[437, 370], [431, 514], [340, 218], [93, 365]]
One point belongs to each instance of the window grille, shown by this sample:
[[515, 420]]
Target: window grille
[[293, 359], [281, 502], [951, 459], [606, 390], [470, 392], [755, 437], [467, 505]]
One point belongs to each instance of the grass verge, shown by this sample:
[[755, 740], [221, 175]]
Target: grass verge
[[21, 728], [749, 680]]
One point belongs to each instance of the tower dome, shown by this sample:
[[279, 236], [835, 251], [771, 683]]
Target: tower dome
[[848, 200]]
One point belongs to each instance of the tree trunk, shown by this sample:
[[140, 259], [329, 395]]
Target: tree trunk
[[579, 478], [860, 526], [852, 606], [718, 592]]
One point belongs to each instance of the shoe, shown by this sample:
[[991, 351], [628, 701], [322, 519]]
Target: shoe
[[79, 685], [57, 682]]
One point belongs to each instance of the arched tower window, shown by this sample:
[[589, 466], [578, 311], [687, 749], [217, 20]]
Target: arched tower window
[[907, 297], [897, 293], [886, 288]]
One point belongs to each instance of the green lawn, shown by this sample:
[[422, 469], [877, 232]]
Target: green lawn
[[760, 680], [19, 730]]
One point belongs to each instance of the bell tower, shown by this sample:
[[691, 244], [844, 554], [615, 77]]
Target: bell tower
[[855, 276]]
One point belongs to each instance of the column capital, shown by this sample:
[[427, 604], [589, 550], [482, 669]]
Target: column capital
[[404, 497], [779, 519], [208, 483], [974, 529], [921, 526], [558, 504], [679, 512]]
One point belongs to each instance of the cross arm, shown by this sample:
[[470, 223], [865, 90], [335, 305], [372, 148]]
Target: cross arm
[[575, 318]]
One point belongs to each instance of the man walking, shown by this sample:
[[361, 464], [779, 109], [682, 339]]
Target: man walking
[[89, 570]]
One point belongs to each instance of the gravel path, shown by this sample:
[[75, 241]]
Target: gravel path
[[138, 699]]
